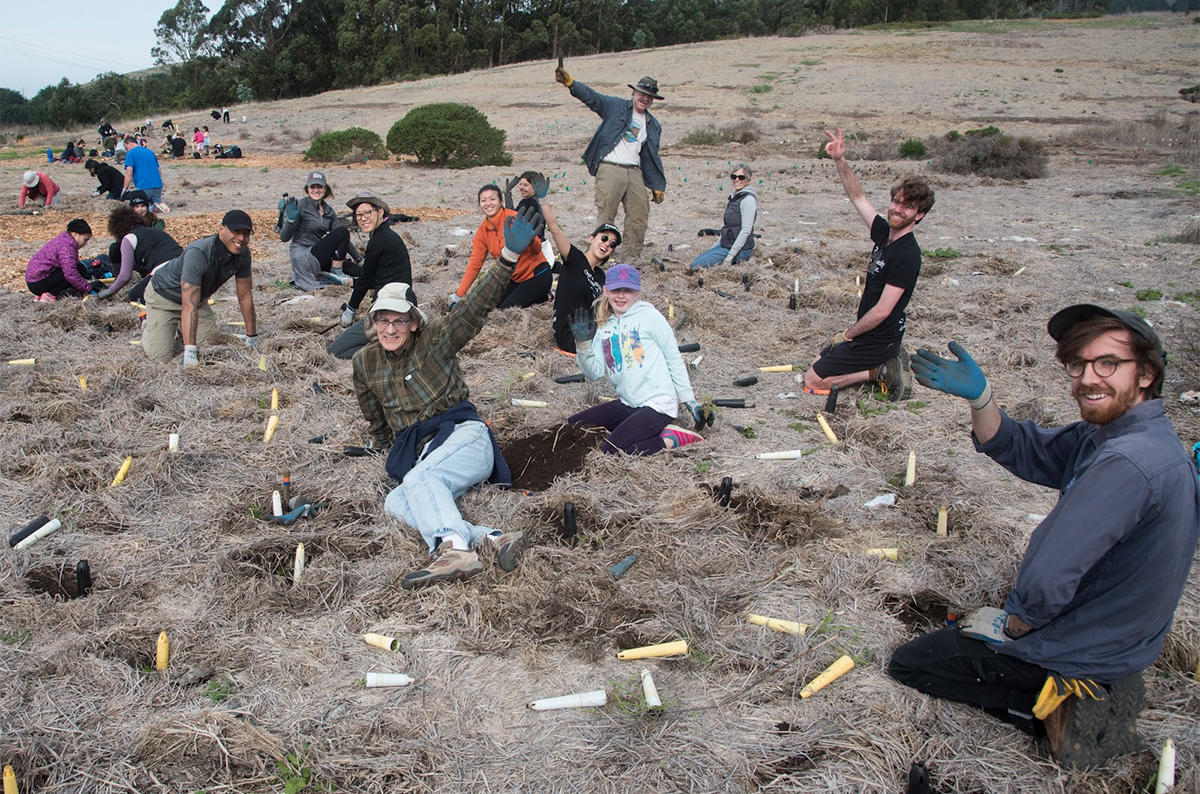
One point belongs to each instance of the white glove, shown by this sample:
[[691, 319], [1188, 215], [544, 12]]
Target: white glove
[[728, 260], [252, 341], [347, 317], [453, 299], [191, 356], [985, 623], [96, 192]]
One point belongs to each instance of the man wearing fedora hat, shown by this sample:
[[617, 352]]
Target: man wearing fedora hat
[[178, 292], [1103, 572], [623, 155]]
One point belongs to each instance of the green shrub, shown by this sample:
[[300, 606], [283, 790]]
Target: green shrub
[[448, 134], [944, 253], [995, 155], [912, 149], [983, 132], [742, 132], [333, 147], [1149, 294]]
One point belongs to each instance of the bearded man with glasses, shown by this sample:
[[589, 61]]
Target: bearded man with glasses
[[1104, 571], [385, 261]]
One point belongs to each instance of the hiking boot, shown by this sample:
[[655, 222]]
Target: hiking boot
[[1084, 733], [681, 436], [895, 377], [451, 565], [509, 548]]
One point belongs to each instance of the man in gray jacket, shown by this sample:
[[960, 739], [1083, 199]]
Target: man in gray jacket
[[1103, 572], [623, 156]]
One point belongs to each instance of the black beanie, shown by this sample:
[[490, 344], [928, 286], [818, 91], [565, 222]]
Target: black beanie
[[79, 226]]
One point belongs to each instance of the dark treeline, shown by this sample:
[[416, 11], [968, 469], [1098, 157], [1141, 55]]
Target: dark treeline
[[275, 49]]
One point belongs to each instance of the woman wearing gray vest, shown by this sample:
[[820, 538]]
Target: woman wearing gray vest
[[736, 240]]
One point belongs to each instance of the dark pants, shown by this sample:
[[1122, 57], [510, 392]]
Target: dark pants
[[55, 283], [947, 665], [332, 247], [634, 431], [350, 341], [528, 292]]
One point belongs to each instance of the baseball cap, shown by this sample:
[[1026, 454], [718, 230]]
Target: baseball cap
[[1063, 319], [610, 229], [237, 221], [397, 297], [316, 178], [623, 277], [136, 197]]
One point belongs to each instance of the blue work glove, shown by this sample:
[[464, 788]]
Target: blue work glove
[[541, 186], [697, 412], [291, 209], [962, 378], [519, 232], [583, 325], [985, 623]]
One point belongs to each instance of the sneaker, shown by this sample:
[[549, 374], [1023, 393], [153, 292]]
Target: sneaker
[[46, 297], [681, 437], [332, 277], [450, 566], [895, 377], [1084, 733], [509, 548]]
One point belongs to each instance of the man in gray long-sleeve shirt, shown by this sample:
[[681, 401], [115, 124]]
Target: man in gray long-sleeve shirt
[[1103, 572]]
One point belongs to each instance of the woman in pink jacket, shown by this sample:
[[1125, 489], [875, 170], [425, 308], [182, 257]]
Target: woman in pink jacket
[[35, 185], [54, 269]]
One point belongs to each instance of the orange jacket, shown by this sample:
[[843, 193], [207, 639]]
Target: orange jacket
[[489, 239]]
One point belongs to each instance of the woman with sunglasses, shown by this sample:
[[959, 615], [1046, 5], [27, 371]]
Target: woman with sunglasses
[[736, 240], [581, 278], [319, 241], [531, 277]]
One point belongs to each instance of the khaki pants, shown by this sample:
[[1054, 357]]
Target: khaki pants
[[616, 186], [161, 329]]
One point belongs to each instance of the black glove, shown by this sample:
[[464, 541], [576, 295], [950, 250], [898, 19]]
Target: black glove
[[583, 325], [97, 285]]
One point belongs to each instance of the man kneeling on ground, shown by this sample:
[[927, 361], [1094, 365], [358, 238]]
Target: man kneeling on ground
[[413, 396], [1103, 573], [871, 348]]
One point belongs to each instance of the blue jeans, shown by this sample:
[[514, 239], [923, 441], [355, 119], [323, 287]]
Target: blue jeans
[[425, 500], [716, 255], [155, 194]]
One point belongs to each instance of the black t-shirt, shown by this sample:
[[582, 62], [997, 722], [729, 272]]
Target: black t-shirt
[[897, 264], [384, 262], [579, 284]]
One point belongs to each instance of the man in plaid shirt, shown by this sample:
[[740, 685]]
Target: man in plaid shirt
[[412, 394]]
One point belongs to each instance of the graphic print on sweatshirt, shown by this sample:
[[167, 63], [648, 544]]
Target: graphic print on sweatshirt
[[626, 351]]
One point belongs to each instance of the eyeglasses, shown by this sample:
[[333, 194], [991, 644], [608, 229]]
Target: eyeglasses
[[365, 213], [1104, 366], [738, 177], [380, 322], [610, 239]]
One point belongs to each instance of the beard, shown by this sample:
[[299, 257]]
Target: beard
[[1108, 410]]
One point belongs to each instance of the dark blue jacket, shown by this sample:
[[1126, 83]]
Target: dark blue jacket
[[1104, 571], [404, 454], [615, 114]]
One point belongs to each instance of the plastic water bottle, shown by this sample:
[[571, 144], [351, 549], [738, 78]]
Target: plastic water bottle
[[49, 155]]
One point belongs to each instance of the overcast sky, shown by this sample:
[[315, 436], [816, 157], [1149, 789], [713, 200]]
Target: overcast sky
[[40, 44]]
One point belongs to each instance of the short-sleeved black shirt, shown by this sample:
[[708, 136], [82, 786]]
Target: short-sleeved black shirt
[[897, 264], [579, 284]]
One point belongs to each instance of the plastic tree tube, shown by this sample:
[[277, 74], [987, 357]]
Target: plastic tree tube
[[162, 652], [173, 442], [650, 691], [10, 780], [786, 454], [49, 528], [831, 673], [274, 398], [298, 565], [1166, 769], [777, 368], [27, 530], [272, 426], [884, 554], [597, 697], [519, 403], [387, 679], [786, 626], [910, 473], [120, 478], [676, 648], [826, 429], [381, 641], [942, 520]]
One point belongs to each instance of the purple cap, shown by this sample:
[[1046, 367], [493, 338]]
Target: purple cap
[[623, 277]]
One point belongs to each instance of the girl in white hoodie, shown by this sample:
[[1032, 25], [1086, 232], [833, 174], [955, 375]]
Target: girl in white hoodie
[[636, 348]]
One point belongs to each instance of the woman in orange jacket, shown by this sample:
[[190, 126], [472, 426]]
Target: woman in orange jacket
[[531, 277]]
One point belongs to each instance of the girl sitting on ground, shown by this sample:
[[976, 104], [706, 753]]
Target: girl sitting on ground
[[637, 349], [531, 277], [581, 278], [320, 243], [54, 270]]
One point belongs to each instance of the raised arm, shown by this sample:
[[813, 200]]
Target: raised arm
[[561, 241], [836, 149]]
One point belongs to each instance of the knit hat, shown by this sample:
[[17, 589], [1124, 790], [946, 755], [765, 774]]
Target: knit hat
[[79, 226]]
